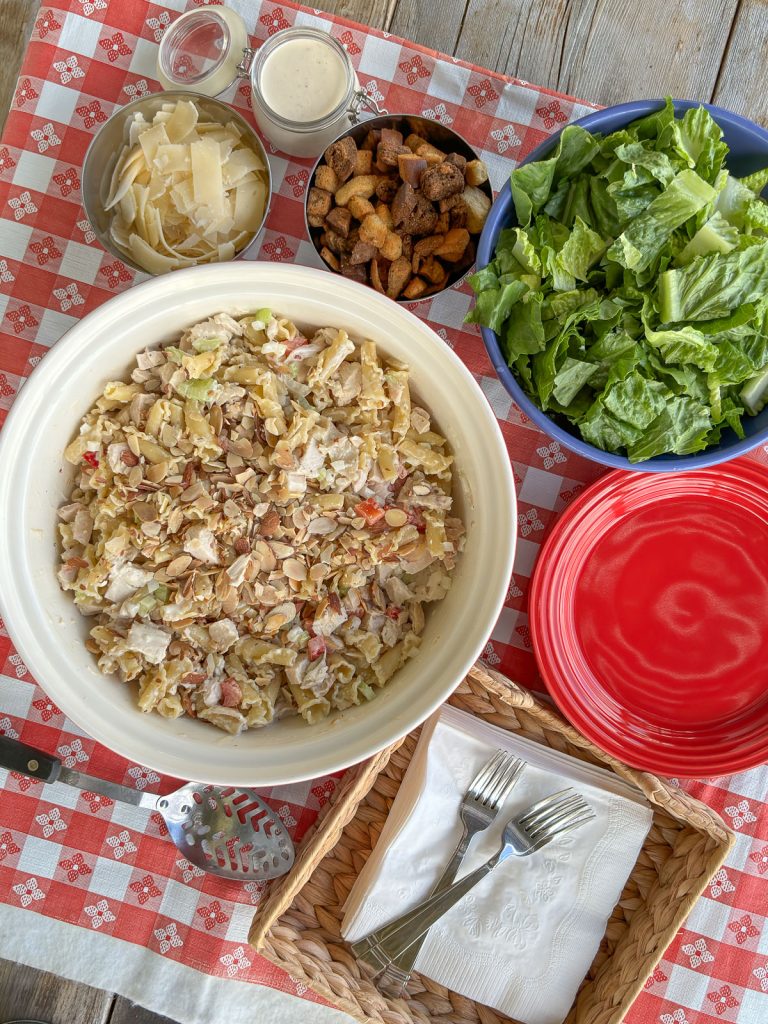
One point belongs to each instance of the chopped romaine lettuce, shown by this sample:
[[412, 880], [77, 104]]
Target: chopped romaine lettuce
[[632, 297]]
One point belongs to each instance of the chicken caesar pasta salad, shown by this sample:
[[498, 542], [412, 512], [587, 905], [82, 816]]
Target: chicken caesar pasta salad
[[257, 521]]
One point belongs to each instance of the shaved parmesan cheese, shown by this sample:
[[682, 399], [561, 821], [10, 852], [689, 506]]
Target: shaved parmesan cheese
[[151, 139], [206, 173], [185, 191], [182, 121]]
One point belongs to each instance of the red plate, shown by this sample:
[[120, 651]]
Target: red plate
[[649, 615]]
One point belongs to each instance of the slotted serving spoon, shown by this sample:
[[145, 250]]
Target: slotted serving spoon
[[229, 832]]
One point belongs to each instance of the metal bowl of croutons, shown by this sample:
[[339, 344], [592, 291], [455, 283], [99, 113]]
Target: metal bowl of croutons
[[398, 203]]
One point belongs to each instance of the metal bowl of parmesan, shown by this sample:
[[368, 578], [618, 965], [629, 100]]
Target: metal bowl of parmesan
[[176, 179]]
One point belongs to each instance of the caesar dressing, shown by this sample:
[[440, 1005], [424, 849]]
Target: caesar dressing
[[303, 80], [303, 88]]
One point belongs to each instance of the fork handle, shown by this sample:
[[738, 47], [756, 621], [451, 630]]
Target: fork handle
[[396, 974], [408, 928]]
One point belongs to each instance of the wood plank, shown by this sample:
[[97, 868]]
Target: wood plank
[[27, 993], [430, 24], [740, 84], [126, 1012], [16, 19], [603, 50], [376, 13]]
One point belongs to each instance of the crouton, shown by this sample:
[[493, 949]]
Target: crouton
[[363, 185], [325, 177], [399, 275], [318, 206], [330, 258], [415, 288], [476, 173], [478, 206], [363, 162], [373, 230], [340, 220], [359, 208], [392, 247], [441, 180], [341, 156]]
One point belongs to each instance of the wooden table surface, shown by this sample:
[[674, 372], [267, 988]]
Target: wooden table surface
[[606, 51]]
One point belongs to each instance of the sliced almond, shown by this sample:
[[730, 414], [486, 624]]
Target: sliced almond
[[243, 447], [192, 492], [133, 443], [179, 565], [322, 525], [156, 473], [230, 601], [269, 524], [135, 476], [216, 418], [175, 519], [144, 511], [395, 517], [294, 569], [231, 509]]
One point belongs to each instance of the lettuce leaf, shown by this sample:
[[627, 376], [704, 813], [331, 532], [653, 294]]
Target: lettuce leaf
[[631, 298]]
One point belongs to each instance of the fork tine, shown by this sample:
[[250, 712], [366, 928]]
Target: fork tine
[[563, 828], [565, 803], [511, 770], [499, 773], [543, 807], [480, 781], [563, 814]]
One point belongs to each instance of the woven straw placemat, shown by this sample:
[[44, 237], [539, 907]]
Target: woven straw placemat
[[297, 926]]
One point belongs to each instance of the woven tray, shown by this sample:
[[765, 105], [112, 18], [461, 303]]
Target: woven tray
[[297, 926]]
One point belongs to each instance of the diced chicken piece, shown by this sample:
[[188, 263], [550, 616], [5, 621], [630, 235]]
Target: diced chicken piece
[[148, 640], [330, 617], [151, 357], [201, 544], [397, 592], [223, 634], [211, 692], [120, 458], [312, 460], [82, 527], [125, 580], [68, 512]]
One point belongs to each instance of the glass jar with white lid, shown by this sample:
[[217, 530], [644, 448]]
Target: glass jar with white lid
[[304, 89]]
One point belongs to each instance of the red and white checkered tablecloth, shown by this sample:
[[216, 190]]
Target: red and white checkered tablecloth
[[108, 869]]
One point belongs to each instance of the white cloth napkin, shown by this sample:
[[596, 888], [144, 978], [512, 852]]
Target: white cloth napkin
[[523, 939]]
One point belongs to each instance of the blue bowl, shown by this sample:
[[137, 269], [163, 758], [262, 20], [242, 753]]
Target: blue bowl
[[748, 144]]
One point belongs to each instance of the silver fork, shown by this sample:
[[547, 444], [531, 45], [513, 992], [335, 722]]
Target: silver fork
[[523, 835], [479, 807]]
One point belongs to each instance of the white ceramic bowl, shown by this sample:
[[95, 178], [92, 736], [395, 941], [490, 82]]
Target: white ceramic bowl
[[48, 631]]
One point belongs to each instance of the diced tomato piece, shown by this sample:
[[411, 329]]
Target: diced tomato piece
[[415, 518], [316, 648], [393, 612], [91, 458], [370, 511], [231, 694]]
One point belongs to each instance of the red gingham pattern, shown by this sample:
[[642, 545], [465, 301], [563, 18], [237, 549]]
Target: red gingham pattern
[[109, 868]]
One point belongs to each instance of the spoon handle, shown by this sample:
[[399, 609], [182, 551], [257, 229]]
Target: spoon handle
[[19, 757]]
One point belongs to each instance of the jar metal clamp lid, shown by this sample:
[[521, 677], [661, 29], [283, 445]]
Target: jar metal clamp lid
[[206, 50]]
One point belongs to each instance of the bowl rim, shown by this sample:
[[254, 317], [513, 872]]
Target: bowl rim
[[370, 123], [667, 463], [23, 627], [91, 202]]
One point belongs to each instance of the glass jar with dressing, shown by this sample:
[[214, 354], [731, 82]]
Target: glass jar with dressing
[[304, 90]]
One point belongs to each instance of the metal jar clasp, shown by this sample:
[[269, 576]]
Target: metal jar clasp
[[361, 100]]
